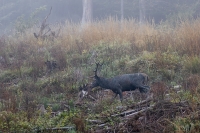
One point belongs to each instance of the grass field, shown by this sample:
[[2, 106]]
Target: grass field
[[168, 54]]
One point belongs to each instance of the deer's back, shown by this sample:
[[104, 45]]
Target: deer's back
[[128, 82]]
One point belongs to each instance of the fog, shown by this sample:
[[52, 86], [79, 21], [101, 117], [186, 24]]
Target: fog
[[58, 56], [32, 12]]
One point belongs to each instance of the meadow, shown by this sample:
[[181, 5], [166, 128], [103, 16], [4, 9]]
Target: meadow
[[37, 98]]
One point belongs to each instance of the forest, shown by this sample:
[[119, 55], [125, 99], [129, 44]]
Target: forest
[[49, 53], [32, 13]]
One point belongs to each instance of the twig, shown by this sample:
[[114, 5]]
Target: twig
[[94, 121], [102, 125], [55, 128], [92, 97], [125, 113]]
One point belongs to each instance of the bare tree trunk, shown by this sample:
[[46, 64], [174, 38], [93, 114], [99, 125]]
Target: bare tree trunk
[[142, 11], [87, 11], [122, 10]]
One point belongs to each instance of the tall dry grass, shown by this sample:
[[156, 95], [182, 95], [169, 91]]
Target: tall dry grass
[[187, 37], [184, 38], [109, 31]]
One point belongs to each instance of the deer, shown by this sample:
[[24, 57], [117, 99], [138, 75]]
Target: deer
[[118, 84], [51, 65]]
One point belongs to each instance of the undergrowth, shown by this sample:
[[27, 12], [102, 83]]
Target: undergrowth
[[169, 56]]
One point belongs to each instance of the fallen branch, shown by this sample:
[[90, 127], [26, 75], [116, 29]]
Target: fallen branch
[[94, 121], [139, 112], [55, 128], [149, 99], [67, 106], [92, 97], [102, 125], [125, 113]]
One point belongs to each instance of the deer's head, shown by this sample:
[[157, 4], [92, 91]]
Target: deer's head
[[85, 89]]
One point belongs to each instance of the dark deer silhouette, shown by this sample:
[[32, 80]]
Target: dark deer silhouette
[[119, 84], [51, 65]]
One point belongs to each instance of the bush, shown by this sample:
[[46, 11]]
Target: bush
[[192, 64]]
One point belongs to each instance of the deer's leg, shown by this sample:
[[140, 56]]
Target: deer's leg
[[114, 97], [120, 95], [118, 91]]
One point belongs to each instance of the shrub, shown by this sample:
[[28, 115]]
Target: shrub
[[192, 64]]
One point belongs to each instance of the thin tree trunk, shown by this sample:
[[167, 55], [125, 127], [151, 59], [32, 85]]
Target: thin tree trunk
[[122, 10], [87, 11], [142, 11]]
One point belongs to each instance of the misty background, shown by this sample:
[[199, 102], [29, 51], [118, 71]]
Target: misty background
[[30, 13]]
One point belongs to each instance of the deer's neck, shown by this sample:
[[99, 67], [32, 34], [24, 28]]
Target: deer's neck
[[103, 82]]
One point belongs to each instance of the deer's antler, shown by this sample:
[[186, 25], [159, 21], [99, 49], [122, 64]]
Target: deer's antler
[[95, 71]]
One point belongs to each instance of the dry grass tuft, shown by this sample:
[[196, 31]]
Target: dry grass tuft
[[159, 89]]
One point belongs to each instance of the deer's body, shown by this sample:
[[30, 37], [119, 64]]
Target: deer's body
[[126, 81], [121, 83], [118, 84]]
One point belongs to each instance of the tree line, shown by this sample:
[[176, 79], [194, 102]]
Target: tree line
[[87, 10]]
